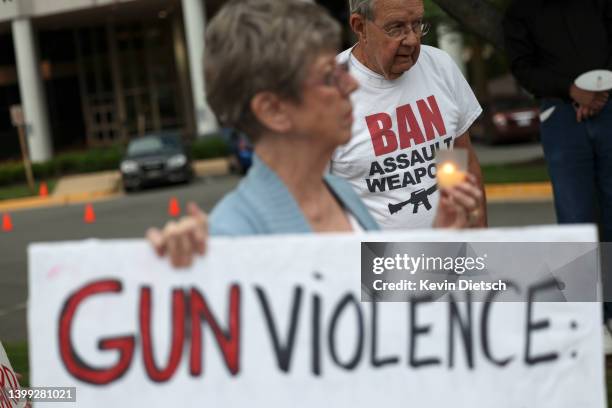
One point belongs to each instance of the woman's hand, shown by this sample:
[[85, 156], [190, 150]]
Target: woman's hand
[[181, 240], [459, 206]]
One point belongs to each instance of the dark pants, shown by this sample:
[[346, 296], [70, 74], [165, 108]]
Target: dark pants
[[579, 157]]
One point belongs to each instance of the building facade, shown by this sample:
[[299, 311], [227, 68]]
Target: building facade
[[98, 72], [93, 73]]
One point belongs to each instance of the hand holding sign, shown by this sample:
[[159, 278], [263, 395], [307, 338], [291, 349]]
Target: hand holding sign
[[183, 239]]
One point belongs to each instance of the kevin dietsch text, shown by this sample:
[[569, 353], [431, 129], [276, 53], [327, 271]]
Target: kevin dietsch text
[[446, 286], [412, 264]]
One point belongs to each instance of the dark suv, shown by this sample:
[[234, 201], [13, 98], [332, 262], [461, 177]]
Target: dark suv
[[155, 159]]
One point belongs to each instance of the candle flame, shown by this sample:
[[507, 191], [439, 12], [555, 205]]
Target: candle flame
[[449, 168]]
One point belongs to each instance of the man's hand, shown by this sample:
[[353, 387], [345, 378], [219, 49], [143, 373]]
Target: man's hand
[[459, 206], [183, 239], [465, 142], [588, 103]]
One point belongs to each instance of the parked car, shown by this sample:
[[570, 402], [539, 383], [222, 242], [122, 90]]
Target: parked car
[[155, 159], [507, 119]]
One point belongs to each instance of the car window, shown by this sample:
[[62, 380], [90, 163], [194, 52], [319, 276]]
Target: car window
[[150, 145], [140, 147], [171, 143]]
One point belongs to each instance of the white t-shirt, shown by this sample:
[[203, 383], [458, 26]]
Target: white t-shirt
[[398, 126]]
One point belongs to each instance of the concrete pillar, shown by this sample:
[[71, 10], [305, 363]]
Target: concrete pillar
[[451, 41], [32, 91], [195, 20], [181, 61]]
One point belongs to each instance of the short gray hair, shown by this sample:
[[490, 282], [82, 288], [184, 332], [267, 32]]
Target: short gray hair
[[255, 46], [363, 7]]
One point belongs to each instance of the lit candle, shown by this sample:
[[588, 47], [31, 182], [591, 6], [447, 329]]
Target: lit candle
[[449, 174]]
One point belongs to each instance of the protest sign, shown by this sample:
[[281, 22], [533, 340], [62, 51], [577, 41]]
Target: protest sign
[[9, 384], [277, 321]]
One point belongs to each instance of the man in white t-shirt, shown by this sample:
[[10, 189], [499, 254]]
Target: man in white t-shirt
[[412, 101]]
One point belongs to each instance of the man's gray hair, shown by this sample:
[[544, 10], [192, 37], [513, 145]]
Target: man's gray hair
[[255, 46], [363, 7]]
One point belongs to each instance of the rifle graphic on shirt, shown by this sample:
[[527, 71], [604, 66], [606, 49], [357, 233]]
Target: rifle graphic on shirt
[[417, 198]]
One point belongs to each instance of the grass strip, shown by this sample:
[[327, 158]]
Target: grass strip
[[22, 190], [530, 172]]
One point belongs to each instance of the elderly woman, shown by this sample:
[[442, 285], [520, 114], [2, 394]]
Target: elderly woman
[[271, 71]]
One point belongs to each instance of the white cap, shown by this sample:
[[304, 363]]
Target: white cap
[[596, 81]]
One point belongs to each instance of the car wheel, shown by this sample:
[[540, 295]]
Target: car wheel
[[130, 189]]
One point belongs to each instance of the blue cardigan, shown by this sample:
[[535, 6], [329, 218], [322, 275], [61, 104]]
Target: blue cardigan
[[262, 204]]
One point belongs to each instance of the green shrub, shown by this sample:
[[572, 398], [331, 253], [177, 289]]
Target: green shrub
[[92, 160], [98, 159], [11, 172], [209, 148], [45, 170]]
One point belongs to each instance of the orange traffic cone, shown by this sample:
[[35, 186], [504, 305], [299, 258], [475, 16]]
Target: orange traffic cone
[[174, 209], [7, 224], [43, 191], [90, 215]]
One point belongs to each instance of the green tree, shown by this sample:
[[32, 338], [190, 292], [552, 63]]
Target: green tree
[[480, 17]]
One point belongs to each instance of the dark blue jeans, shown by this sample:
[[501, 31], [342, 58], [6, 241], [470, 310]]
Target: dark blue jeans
[[579, 157]]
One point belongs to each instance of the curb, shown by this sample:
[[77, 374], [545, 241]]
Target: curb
[[54, 201], [211, 167], [496, 193], [519, 192], [203, 168]]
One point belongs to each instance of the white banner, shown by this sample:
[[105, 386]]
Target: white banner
[[9, 384], [277, 322]]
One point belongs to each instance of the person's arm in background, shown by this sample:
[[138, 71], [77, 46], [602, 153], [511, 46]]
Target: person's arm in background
[[521, 51], [589, 104], [465, 142], [608, 24]]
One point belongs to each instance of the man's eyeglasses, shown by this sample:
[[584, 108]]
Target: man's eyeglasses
[[397, 31]]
